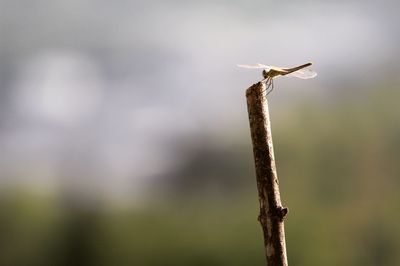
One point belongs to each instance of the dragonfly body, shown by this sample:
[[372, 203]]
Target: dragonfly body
[[270, 72]]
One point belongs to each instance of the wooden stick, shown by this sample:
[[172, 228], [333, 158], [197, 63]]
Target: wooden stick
[[272, 213]]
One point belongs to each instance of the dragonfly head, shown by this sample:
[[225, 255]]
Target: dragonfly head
[[265, 73]]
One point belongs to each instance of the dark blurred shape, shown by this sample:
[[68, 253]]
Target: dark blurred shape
[[211, 169], [75, 244]]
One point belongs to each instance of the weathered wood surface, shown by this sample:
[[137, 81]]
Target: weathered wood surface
[[272, 213]]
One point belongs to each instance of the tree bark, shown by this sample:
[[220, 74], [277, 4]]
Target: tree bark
[[272, 213]]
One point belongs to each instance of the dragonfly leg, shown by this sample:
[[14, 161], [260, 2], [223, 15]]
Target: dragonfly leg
[[271, 85], [267, 82]]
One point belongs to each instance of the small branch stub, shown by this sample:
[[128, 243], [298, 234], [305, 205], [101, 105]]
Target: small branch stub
[[272, 213]]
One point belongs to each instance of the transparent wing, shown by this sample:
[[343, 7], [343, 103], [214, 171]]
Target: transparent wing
[[303, 74], [256, 66]]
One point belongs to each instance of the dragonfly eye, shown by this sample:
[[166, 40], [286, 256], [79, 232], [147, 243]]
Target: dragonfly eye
[[265, 73]]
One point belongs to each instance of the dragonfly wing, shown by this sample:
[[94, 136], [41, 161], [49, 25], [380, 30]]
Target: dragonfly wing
[[256, 66], [303, 74]]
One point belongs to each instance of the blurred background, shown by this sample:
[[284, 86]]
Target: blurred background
[[124, 137]]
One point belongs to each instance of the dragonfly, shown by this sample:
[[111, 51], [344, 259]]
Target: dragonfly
[[270, 72]]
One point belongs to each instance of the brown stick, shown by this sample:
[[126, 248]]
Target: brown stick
[[271, 211]]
